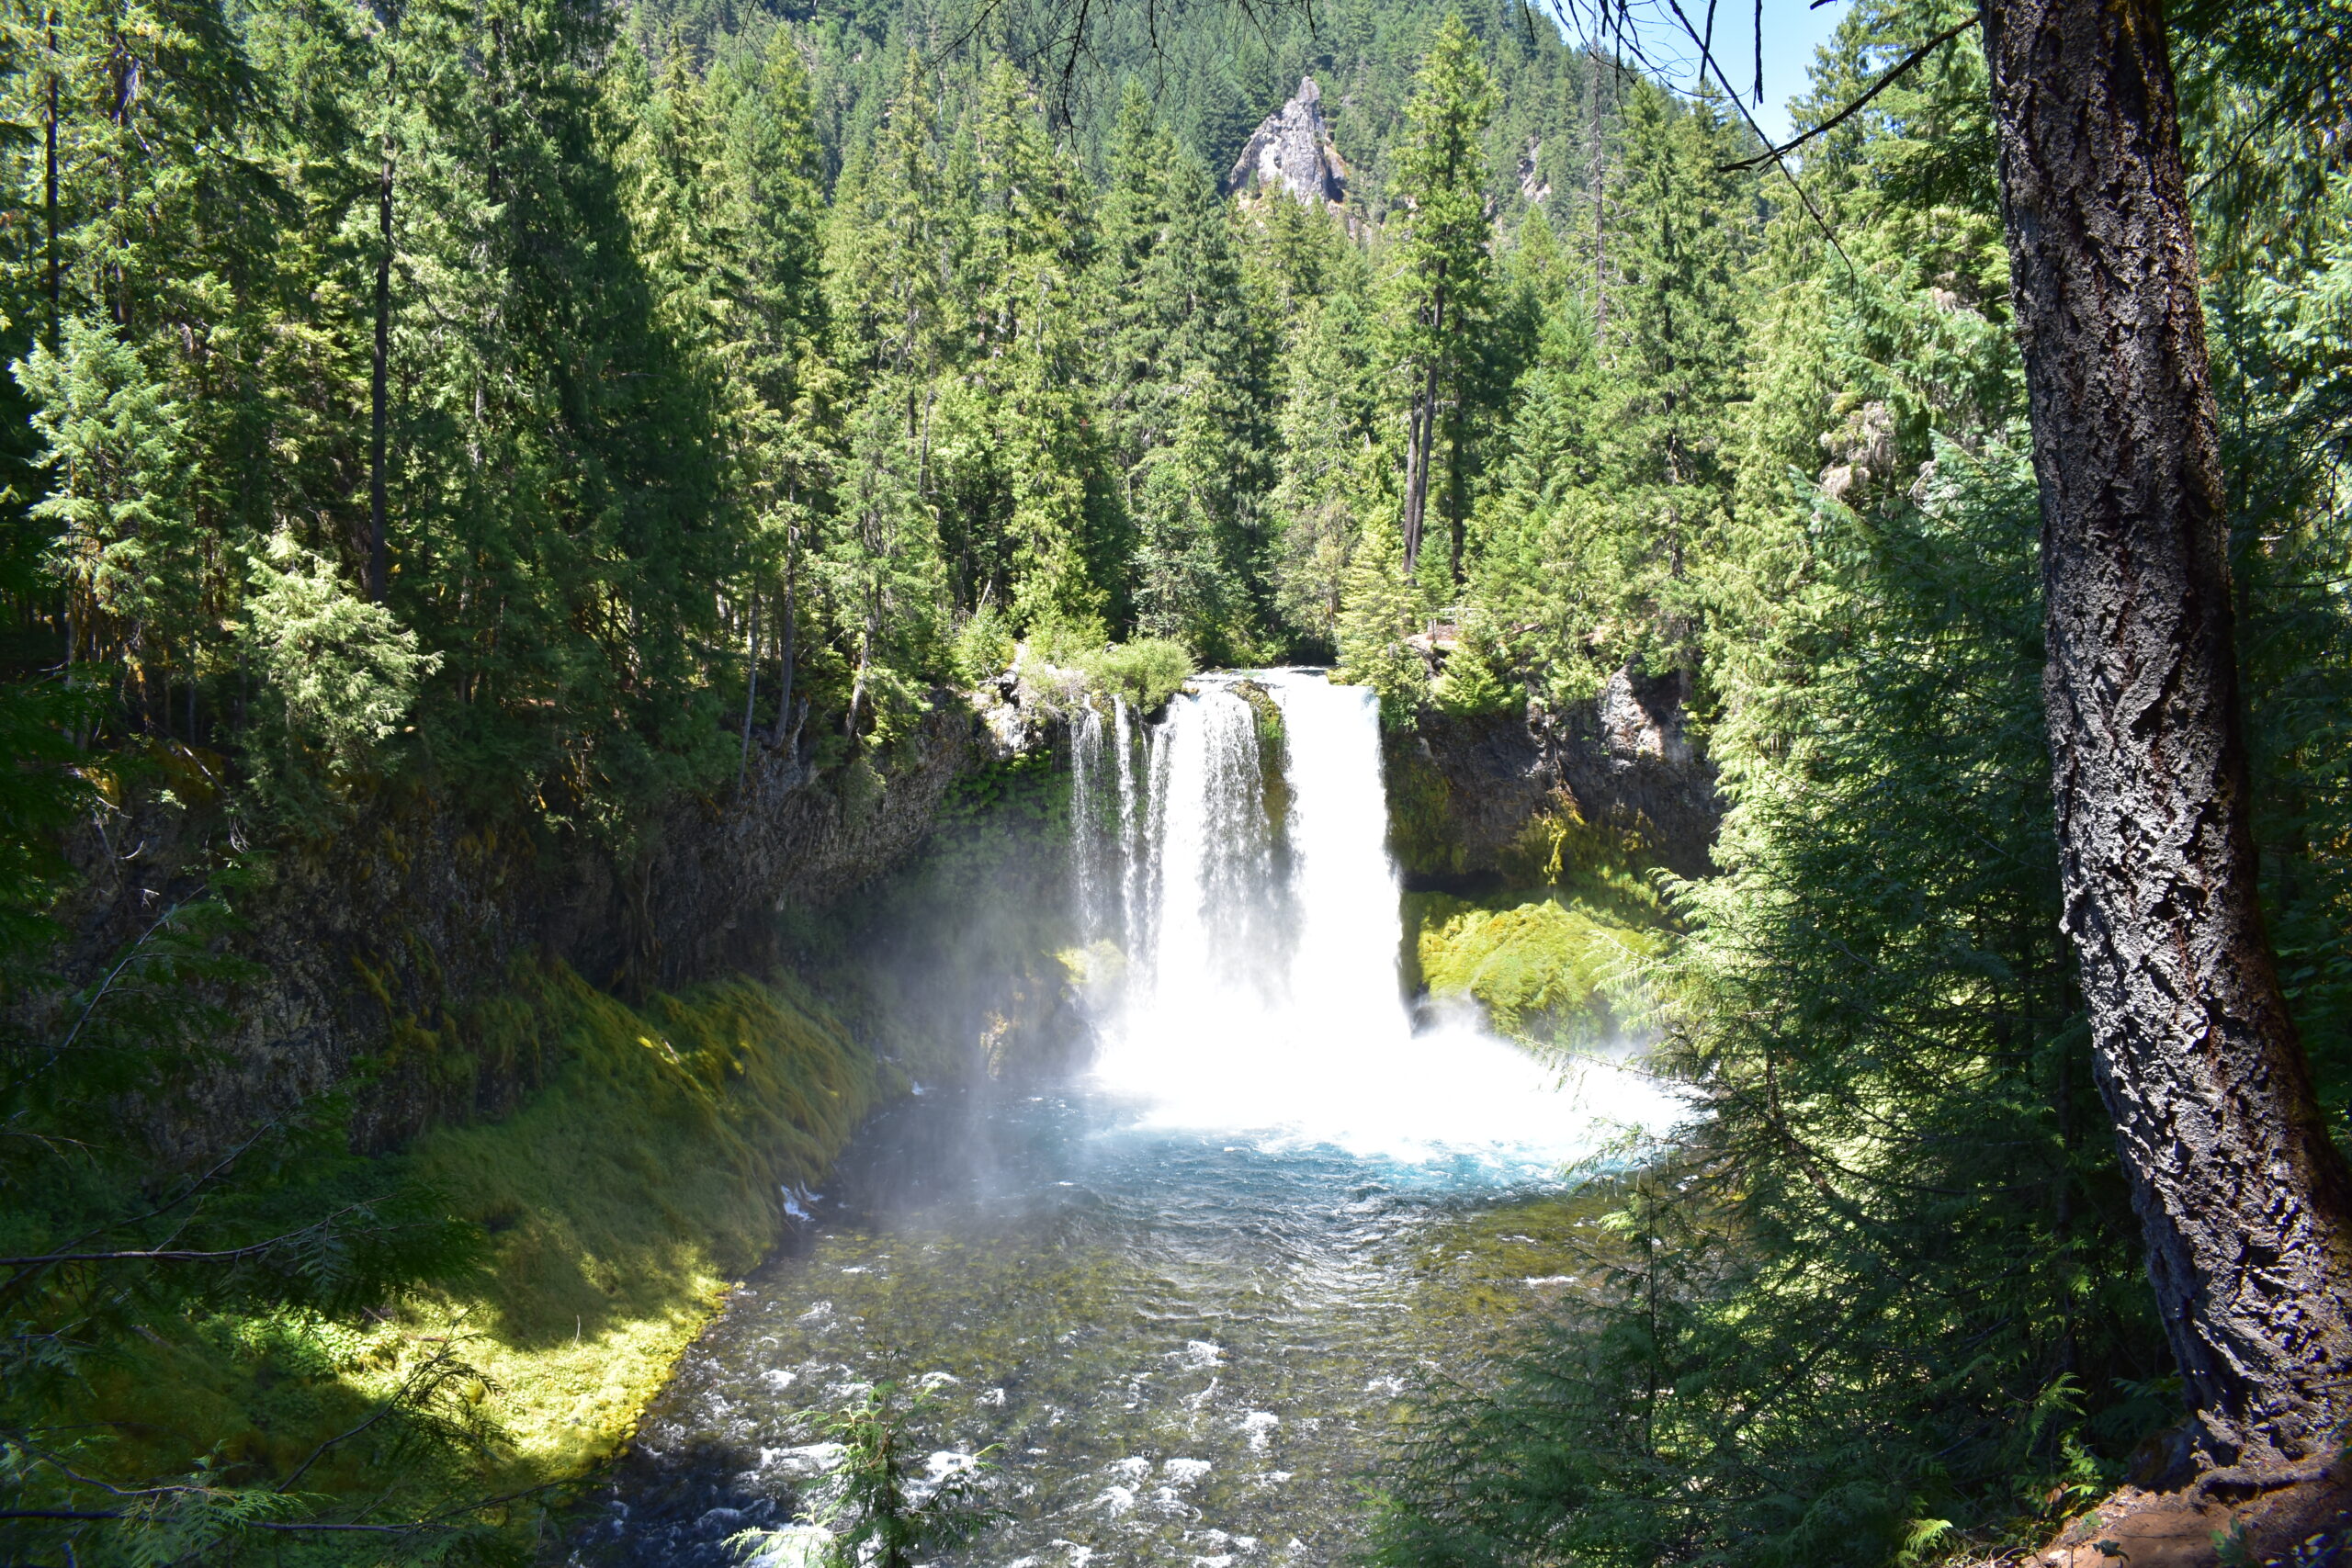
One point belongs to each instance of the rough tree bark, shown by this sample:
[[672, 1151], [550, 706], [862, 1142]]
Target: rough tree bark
[[2246, 1205], [789, 654], [48, 192]]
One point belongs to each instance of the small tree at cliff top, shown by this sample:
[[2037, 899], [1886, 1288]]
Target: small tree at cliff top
[[1379, 610]]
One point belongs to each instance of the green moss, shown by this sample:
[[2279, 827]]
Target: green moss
[[620, 1199], [624, 1197], [1544, 969], [1607, 868]]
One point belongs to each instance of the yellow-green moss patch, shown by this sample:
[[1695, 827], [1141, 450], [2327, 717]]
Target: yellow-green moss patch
[[1542, 967], [625, 1196], [619, 1201]]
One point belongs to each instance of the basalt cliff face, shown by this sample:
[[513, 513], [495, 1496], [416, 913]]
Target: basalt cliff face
[[1464, 791], [1291, 154], [361, 951]]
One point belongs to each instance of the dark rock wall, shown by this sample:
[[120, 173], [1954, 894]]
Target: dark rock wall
[[1464, 792], [372, 954]]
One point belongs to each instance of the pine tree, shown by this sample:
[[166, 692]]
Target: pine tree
[[784, 388], [893, 239], [1444, 274], [1185, 399], [1338, 461], [1674, 350], [882, 565], [1382, 606], [1027, 259], [126, 548]]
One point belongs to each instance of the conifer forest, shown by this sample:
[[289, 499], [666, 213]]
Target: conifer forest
[[607, 603]]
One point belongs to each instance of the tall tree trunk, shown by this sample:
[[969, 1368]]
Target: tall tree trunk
[[379, 387], [865, 662], [1421, 438], [1416, 423], [751, 695], [790, 651], [1457, 506], [2246, 1205], [1599, 207], [49, 183]]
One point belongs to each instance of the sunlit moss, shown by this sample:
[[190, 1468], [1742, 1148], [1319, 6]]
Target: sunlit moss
[[1542, 967], [620, 1199], [623, 1198]]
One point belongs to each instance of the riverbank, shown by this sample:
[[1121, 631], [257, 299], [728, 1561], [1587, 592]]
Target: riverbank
[[617, 1205]]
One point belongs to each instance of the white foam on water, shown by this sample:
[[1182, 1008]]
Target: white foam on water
[[1263, 992]]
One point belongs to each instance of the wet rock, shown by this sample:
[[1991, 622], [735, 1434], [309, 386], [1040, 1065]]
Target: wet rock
[[1464, 792]]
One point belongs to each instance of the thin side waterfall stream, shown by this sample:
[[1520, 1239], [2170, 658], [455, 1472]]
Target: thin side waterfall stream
[[1182, 1296]]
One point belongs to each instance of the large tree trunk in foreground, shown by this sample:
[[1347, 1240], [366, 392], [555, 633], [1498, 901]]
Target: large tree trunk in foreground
[[2246, 1205]]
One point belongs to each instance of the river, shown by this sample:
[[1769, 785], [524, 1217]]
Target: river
[[1175, 1305]]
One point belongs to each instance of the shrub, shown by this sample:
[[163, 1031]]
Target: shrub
[[1146, 672], [983, 649]]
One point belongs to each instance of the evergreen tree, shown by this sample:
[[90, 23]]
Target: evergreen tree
[[1338, 463], [783, 386], [1024, 276], [1673, 354], [1183, 407], [882, 565], [1445, 274]]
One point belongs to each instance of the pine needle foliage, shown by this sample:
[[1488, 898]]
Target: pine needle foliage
[[1889, 1276]]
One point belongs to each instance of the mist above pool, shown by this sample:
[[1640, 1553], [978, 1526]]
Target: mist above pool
[[1259, 992]]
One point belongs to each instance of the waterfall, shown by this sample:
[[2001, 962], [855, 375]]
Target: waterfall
[[1130, 857], [1262, 993], [1085, 820], [1344, 884], [1212, 849]]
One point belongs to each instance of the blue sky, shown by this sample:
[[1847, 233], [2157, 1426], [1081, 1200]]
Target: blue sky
[[1792, 29]]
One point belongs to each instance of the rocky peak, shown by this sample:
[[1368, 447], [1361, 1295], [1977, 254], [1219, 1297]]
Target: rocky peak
[[1291, 151], [1532, 186]]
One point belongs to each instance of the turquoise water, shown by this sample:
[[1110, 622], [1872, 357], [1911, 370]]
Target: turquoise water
[[1181, 1346]]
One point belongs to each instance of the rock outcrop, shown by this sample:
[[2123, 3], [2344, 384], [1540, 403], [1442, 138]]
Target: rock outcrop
[[1291, 152], [1464, 791], [365, 948]]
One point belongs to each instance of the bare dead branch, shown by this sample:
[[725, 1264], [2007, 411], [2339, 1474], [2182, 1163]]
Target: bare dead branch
[[1732, 93], [1772, 155]]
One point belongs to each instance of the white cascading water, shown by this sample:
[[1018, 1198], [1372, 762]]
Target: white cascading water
[[1262, 992], [1086, 848]]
